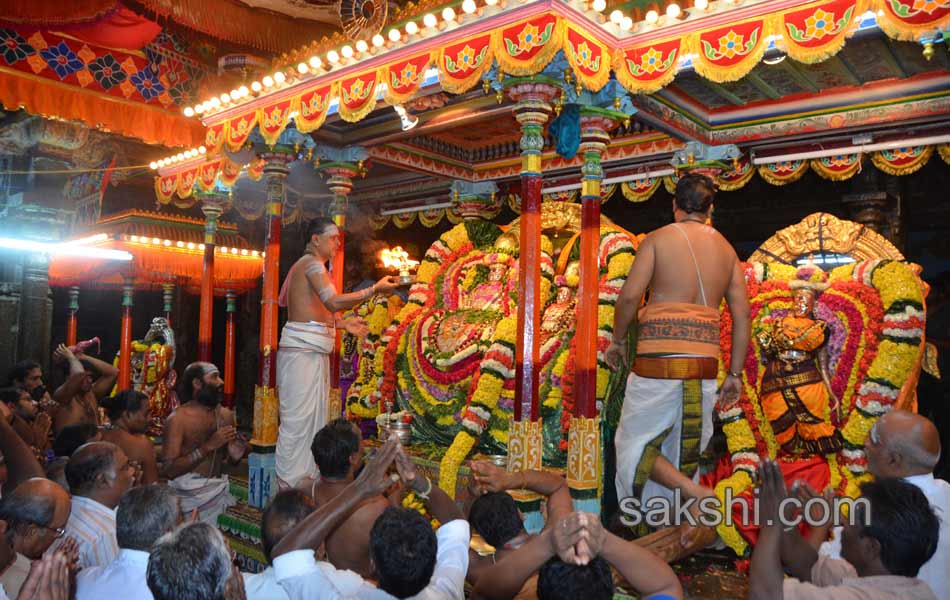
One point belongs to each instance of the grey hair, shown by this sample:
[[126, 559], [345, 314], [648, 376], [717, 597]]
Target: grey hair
[[189, 563], [908, 445], [145, 514], [21, 508]]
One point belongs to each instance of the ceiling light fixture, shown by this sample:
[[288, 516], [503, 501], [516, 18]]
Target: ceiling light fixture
[[408, 121], [412, 28], [616, 17], [379, 40], [430, 20], [469, 7]]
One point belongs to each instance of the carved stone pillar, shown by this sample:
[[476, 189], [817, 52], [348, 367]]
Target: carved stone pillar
[[36, 310]]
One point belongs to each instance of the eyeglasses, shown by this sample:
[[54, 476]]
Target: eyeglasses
[[874, 434], [59, 531]]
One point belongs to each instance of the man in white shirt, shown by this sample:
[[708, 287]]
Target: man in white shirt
[[98, 474], [409, 559], [906, 445], [283, 513], [144, 514]]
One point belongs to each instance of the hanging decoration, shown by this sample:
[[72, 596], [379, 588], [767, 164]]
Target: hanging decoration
[[588, 57], [640, 190], [462, 64], [514, 203], [735, 178], [404, 220], [404, 78], [272, 119], [565, 196], [944, 150], [453, 215], [837, 168], [817, 33], [431, 216], [239, 129], [230, 171], [527, 47], [647, 68], [186, 182], [607, 191], [378, 221], [729, 53], [165, 188], [208, 174], [358, 96], [312, 107], [902, 161], [669, 183], [784, 172], [214, 137], [910, 20]]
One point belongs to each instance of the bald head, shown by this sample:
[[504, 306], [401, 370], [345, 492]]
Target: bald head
[[33, 512], [100, 471], [910, 444]]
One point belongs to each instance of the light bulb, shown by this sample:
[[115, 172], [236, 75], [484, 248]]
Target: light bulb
[[153, 165], [279, 77], [315, 62], [626, 24], [701, 4], [268, 81], [225, 98], [347, 51], [448, 14], [394, 35], [599, 5], [180, 156], [160, 163], [191, 245], [491, 2], [378, 40], [180, 244], [202, 149], [215, 102], [616, 17], [361, 46], [256, 86], [469, 6], [243, 91], [430, 20], [234, 95], [333, 56], [673, 10], [302, 68], [652, 17], [412, 28], [189, 111], [199, 108]]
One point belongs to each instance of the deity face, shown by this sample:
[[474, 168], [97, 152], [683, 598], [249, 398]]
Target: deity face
[[497, 272], [564, 294], [804, 302]]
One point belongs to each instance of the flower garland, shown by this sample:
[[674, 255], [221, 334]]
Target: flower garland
[[876, 324]]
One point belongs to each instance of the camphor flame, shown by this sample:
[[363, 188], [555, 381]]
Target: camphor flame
[[398, 259]]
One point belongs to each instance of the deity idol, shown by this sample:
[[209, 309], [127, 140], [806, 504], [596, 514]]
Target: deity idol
[[795, 393]]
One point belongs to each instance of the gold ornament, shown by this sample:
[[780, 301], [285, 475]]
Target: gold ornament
[[837, 236], [928, 50]]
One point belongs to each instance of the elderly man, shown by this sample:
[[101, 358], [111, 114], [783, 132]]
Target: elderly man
[[666, 421], [144, 514], [303, 360], [98, 474], [906, 446], [32, 517], [199, 437], [193, 563]]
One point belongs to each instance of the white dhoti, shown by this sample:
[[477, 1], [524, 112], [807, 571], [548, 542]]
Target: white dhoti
[[671, 417], [211, 496], [303, 388]]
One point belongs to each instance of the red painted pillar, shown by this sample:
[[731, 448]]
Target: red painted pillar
[[265, 393], [168, 297], [71, 320], [229, 349], [594, 139], [125, 341], [340, 183], [212, 209]]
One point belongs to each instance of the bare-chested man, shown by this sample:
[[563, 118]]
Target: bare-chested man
[[199, 437], [338, 452], [79, 396], [303, 361], [666, 421], [128, 414]]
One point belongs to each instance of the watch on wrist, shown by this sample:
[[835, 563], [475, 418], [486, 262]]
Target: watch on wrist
[[736, 374]]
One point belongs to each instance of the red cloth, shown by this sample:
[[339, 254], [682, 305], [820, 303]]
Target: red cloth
[[120, 28], [813, 471]]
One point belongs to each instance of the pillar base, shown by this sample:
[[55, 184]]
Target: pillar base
[[265, 416], [524, 454], [584, 464], [261, 478]]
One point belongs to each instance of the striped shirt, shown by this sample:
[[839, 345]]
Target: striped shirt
[[92, 525]]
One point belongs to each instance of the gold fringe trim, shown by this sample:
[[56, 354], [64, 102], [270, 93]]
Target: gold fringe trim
[[717, 74], [270, 138], [454, 85], [669, 184], [774, 179], [827, 50], [306, 125], [512, 65], [431, 220], [735, 184], [638, 86], [392, 97], [231, 144], [404, 220], [901, 30], [887, 167], [592, 82], [830, 175], [352, 116], [379, 221], [634, 196], [944, 151], [163, 198]]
